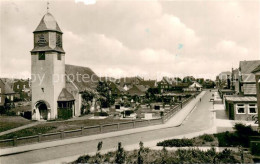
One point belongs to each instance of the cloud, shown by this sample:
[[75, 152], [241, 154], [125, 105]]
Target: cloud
[[127, 38], [86, 2]]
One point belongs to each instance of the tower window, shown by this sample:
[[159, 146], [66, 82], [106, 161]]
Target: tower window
[[41, 55], [59, 56]]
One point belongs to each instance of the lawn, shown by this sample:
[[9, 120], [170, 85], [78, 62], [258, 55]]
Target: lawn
[[55, 126], [10, 122]]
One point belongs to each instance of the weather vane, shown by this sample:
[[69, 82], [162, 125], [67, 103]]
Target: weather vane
[[48, 6]]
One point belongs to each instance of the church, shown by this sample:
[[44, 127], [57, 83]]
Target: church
[[55, 90]]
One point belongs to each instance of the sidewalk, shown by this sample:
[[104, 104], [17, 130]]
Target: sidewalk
[[176, 120]]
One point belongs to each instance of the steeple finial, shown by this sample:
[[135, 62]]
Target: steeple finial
[[48, 6]]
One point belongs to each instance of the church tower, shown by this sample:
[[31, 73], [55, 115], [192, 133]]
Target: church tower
[[47, 68]]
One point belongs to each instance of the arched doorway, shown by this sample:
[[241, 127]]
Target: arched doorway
[[42, 109]]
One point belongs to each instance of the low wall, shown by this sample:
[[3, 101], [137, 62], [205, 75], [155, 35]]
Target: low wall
[[90, 130]]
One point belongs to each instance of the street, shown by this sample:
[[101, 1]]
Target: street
[[198, 120]]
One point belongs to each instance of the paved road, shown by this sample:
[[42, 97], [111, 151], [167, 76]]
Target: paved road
[[200, 119]]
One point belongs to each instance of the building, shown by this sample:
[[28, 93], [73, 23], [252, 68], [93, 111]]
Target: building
[[56, 87], [193, 87], [222, 80], [6, 94], [247, 84], [241, 101], [138, 90], [256, 71], [241, 107], [22, 88]]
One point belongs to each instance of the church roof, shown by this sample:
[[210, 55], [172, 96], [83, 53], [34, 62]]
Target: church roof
[[83, 78], [48, 23], [65, 95]]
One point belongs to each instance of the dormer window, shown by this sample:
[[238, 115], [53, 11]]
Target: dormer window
[[41, 55]]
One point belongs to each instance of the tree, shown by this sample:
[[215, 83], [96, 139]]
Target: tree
[[140, 159], [105, 93], [98, 158], [87, 98], [120, 154], [164, 155]]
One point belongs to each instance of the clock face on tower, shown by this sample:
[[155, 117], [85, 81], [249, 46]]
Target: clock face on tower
[[41, 40]]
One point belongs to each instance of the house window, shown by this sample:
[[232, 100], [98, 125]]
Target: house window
[[0, 99], [252, 109], [59, 56], [17, 86], [0, 90], [41, 55], [240, 109], [12, 98]]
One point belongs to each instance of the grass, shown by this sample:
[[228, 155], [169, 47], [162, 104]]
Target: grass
[[10, 122], [55, 126]]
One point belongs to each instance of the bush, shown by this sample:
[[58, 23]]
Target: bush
[[10, 113], [176, 143], [241, 137], [207, 138], [100, 114], [255, 147], [64, 113]]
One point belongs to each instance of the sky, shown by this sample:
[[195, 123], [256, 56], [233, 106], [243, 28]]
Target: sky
[[148, 38]]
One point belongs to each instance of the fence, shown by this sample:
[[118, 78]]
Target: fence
[[90, 130]]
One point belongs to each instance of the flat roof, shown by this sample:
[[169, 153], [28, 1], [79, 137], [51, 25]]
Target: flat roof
[[241, 98], [226, 90]]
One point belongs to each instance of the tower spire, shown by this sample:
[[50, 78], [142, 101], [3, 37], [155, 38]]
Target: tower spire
[[48, 6]]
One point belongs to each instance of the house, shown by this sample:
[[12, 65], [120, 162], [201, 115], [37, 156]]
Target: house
[[6, 94], [241, 107], [224, 92], [243, 104], [256, 72], [138, 90], [222, 80], [129, 81], [235, 80], [23, 88], [194, 87], [149, 83], [116, 90], [247, 84], [165, 84]]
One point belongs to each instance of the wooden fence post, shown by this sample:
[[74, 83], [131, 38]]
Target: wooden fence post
[[133, 124], [82, 130], [163, 119], [118, 126], [39, 137], [62, 135], [101, 128], [15, 141]]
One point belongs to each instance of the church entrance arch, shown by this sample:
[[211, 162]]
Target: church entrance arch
[[42, 110]]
